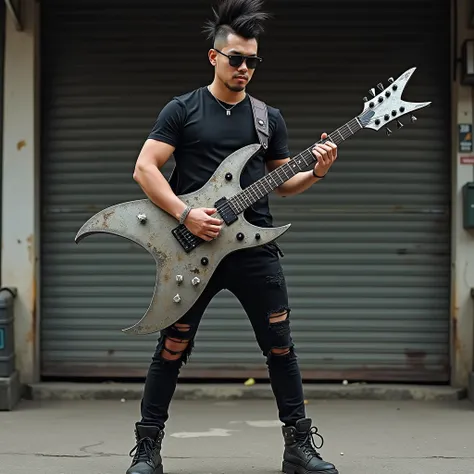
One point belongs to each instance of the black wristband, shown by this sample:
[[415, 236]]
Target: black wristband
[[316, 176]]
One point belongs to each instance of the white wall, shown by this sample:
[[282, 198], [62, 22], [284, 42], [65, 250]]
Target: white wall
[[462, 314], [19, 210]]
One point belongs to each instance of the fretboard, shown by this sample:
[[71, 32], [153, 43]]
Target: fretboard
[[300, 162]]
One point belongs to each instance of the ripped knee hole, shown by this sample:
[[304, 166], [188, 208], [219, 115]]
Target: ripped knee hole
[[182, 327], [281, 352], [278, 317], [280, 326], [174, 347]]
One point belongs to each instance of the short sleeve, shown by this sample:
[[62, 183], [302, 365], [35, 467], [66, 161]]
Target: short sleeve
[[278, 146], [168, 125]]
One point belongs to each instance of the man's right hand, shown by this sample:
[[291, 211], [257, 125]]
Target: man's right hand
[[201, 224]]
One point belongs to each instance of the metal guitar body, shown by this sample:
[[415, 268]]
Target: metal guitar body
[[184, 264], [181, 275]]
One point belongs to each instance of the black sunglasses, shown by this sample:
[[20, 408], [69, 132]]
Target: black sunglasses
[[235, 60]]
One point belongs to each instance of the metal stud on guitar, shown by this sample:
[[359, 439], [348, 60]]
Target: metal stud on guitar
[[185, 261]]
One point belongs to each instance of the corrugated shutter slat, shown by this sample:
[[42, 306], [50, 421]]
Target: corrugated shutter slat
[[368, 257]]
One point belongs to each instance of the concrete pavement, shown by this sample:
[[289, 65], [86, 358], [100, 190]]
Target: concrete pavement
[[238, 436]]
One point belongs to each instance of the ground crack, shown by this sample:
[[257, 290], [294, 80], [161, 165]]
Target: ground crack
[[93, 455], [83, 449], [423, 457], [48, 455]]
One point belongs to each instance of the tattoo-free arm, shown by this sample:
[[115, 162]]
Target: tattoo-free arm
[[295, 185], [153, 155], [325, 155]]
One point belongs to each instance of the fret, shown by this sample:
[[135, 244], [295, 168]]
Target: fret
[[277, 177], [309, 159], [300, 158], [265, 185], [268, 180], [234, 206], [253, 191]]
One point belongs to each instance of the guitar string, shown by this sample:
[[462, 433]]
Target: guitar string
[[346, 133], [241, 200]]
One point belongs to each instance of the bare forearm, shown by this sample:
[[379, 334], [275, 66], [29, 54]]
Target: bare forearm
[[158, 190], [298, 184]]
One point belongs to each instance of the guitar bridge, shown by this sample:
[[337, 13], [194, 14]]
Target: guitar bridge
[[186, 239], [189, 241]]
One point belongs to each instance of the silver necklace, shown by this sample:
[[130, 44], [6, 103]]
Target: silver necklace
[[228, 111]]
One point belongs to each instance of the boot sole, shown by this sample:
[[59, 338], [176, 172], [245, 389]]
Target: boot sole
[[289, 468], [158, 470]]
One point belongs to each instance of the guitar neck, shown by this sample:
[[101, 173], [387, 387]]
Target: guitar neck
[[300, 162]]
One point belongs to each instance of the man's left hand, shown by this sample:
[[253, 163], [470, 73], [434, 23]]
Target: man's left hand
[[326, 154]]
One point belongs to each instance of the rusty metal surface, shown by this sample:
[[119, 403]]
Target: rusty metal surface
[[150, 227]]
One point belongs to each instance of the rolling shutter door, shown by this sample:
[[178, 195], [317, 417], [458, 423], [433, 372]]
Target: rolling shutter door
[[367, 257], [2, 54]]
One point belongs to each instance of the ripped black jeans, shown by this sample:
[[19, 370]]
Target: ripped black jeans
[[256, 278]]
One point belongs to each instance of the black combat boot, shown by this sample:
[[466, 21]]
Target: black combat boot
[[300, 456], [147, 458]]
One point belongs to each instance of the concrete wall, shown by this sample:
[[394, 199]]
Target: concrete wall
[[20, 213], [462, 331], [20, 209]]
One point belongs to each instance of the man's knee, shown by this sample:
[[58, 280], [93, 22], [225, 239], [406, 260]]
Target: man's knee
[[176, 343], [281, 343]]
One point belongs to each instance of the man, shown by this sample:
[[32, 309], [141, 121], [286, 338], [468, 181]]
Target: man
[[202, 128]]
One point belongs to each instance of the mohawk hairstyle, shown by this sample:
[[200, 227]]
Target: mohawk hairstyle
[[242, 17]]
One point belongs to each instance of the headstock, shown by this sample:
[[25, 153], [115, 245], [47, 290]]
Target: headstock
[[386, 104]]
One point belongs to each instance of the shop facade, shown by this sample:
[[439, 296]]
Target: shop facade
[[373, 253]]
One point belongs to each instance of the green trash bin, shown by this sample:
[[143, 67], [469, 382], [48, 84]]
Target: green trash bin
[[7, 341], [10, 385]]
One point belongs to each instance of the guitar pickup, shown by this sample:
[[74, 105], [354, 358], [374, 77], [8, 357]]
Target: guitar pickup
[[225, 211]]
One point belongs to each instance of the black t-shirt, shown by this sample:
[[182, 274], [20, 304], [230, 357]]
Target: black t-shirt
[[203, 135]]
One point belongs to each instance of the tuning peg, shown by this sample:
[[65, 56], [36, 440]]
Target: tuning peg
[[388, 132], [399, 124], [391, 80], [372, 91], [366, 99], [380, 86], [413, 118]]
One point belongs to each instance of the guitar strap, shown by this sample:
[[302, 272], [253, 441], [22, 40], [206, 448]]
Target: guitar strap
[[260, 116]]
